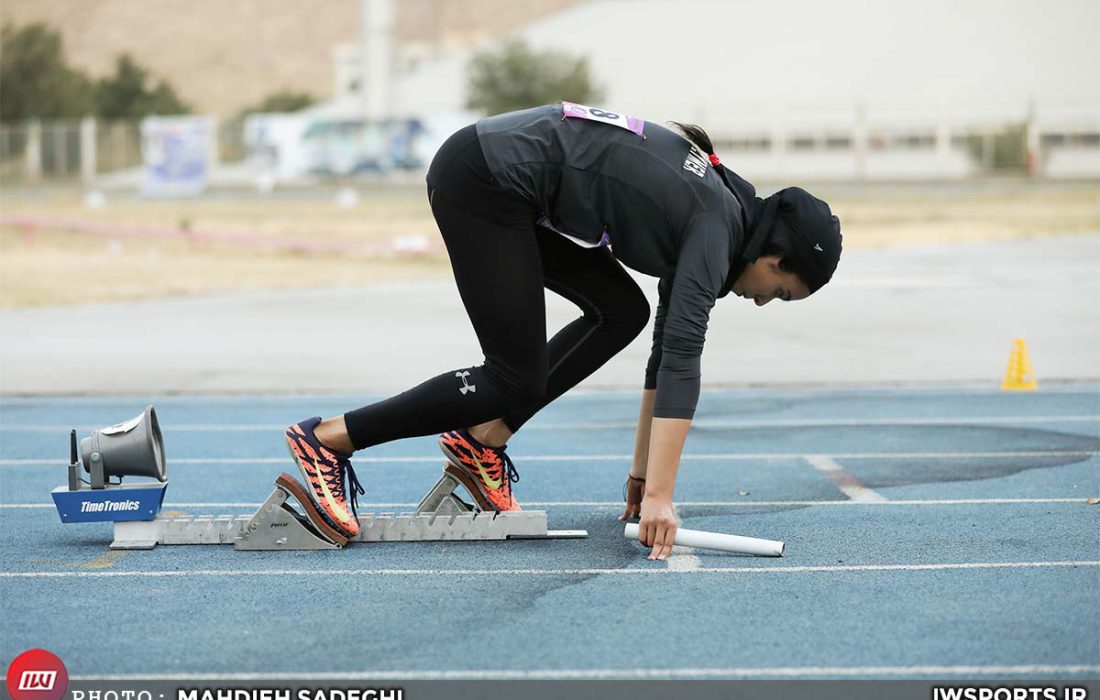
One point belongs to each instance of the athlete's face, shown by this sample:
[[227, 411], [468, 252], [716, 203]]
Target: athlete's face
[[763, 281]]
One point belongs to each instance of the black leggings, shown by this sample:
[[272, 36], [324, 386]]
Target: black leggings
[[501, 262]]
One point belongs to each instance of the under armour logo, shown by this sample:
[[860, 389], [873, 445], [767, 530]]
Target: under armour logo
[[466, 386]]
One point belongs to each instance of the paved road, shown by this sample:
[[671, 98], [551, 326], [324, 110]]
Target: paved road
[[912, 315]]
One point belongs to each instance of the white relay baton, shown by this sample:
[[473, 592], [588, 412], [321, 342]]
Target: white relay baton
[[716, 540]]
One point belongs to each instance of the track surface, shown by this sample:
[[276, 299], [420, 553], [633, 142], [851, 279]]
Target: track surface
[[930, 533]]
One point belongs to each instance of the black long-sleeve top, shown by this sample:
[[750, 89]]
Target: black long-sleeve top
[[653, 197]]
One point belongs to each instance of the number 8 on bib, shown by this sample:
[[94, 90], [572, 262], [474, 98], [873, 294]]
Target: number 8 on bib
[[578, 111]]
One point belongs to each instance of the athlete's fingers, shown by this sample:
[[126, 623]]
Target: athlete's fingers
[[658, 544], [666, 550], [670, 538], [662, 545]]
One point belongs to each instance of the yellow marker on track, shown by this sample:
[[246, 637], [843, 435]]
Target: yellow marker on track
[[1019, 376]]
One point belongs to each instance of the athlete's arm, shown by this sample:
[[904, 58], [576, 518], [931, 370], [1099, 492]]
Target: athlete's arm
[[700, 272], [641, 437], [664, 289], [657, 527], [635, 483]]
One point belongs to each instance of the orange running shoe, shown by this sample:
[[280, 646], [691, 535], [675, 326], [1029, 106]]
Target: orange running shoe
[[486, 472], [324, 471]]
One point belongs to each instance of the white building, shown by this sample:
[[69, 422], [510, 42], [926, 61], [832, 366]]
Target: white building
[[845, 88]]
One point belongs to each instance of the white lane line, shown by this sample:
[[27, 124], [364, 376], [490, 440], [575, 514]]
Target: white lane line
[[681, 504], [176, 573], [622, 673], [43, 400], [611, 425], [717, 457], [827, 422], [682, 558], [848, 484]]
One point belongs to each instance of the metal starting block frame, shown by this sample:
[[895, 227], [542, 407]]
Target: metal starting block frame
[[278, 525]]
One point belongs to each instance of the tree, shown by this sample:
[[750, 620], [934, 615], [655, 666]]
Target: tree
[[282, 101], [517, 77], [131, 93], [35, 81]]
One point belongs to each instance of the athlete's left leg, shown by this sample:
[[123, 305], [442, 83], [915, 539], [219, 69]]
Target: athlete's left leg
[[615, 312]]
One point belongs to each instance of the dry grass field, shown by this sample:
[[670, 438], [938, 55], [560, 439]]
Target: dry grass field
[[62, 267], [55, 266]]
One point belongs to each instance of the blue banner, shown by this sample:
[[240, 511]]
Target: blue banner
[[177, 152], [112, 504]]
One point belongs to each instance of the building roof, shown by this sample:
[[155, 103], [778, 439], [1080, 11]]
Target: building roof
[[745, 64]]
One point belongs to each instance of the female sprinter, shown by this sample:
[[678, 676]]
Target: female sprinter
[[561, 197]]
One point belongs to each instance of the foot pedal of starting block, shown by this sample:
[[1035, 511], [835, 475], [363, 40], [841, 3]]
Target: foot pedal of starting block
[[277, 525], [136, 534], [441, 500], [443, 515]]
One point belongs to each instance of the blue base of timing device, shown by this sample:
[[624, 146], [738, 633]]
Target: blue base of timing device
[[111, 504]]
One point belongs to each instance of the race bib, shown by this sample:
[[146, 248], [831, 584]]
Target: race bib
[[604, 242], [572, 109]]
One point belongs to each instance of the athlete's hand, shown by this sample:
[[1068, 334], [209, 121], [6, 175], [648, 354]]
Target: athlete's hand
[[635, 489], [657, 528]]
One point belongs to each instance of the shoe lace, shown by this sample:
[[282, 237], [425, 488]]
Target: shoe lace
[[513, 473], [355, 488], [335, 479]]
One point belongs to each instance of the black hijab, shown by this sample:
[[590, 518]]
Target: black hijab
[[814, 229]]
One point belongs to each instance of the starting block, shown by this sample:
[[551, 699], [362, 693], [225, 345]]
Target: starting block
[[279, 525]]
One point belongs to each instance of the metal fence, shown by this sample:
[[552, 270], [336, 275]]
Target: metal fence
[[81, 150], [857, 147]]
